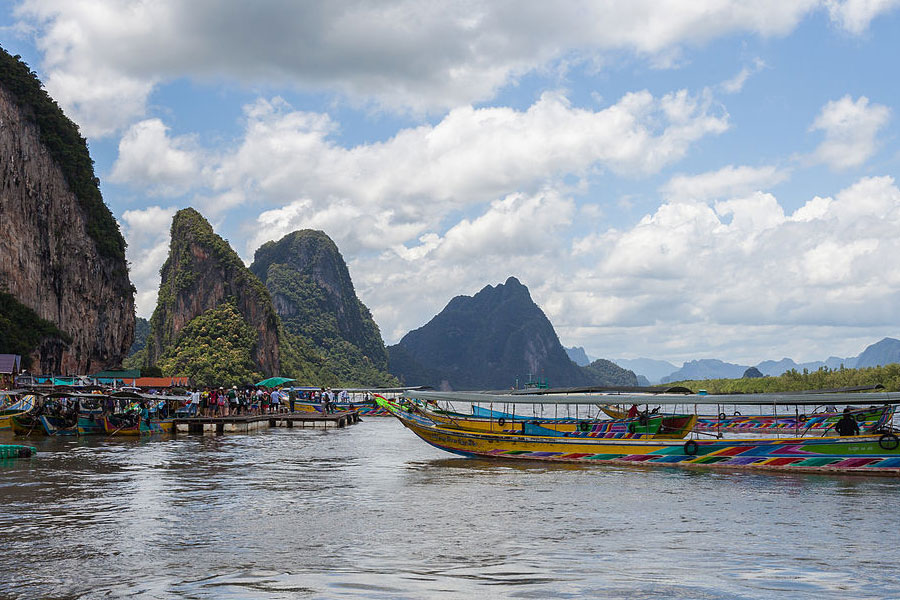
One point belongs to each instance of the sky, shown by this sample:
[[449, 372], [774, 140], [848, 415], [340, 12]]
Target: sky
[[670, 179]]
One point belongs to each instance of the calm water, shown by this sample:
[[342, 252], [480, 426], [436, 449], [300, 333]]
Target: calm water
[[373, 512]]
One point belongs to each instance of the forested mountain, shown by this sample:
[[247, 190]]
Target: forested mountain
[[489, 341], [214, 320], [67, 304], [605, 372], [313, 294]]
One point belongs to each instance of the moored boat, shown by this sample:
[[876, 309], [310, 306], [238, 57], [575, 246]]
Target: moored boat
[[661, 426], [20, 406], [871, 453], [135, 423]]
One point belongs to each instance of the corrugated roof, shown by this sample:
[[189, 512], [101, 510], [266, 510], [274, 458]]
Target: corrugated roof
[[125, 374], [10, 363], [160, 382]]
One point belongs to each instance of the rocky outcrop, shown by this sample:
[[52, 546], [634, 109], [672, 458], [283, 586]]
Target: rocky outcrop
[[61, 252], [314, 296], [202, 273], [487, 341]]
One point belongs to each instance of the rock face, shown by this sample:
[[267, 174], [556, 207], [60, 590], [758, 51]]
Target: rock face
[[884, 352], [61, 252], [313, 294], [202, 273], [487, 341]]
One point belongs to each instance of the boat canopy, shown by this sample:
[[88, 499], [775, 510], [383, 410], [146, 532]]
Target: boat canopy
[[788, 398]]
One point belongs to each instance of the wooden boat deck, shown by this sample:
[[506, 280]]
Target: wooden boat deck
[[245, 423]]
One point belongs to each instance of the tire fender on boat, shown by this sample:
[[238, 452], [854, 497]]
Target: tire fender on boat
[[690, 447], [584, 426], [501, 421], [722, 416], [888, 441]]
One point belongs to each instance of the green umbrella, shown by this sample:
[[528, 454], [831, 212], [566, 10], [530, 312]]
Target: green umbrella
[[272, 382]]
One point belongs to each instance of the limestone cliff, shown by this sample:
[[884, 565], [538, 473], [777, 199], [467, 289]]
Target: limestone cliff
[[61, 252], [314, 296], [202, 274]]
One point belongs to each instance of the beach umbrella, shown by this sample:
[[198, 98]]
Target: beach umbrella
[[272, 382]]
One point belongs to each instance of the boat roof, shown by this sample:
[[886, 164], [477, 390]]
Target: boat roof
[[128, 395], [612, 398]]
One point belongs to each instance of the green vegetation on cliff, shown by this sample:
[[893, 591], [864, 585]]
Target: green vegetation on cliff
[[182, 270], [64, 142], [22, 330], [604, 372], [314, 296], [141, 331], [793, 380], [214, 348]]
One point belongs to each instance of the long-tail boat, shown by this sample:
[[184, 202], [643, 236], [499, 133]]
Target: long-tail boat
[[360, 399], [141, 417], [659, 426], [875, 453], [18, 406]]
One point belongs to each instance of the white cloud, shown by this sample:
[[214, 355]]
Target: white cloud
[[739, 268], [729, 181], [150, 159], [736, 83], [402, 188], [147, 234], [102, 59], [851, 128], [854, 16]]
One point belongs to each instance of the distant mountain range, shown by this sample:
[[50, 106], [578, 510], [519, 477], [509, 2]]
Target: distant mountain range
[[884, 352]]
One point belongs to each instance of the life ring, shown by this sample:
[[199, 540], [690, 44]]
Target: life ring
[[722, 416], [501, 421], [690, 447], [584, 426], [888, 441]]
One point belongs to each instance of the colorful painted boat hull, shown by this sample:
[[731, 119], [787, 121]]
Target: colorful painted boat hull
[[870, 454], [18, 408], [366, 409], [121, 425], [54, 425]]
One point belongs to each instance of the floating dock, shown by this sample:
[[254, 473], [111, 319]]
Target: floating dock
[[248, 423]]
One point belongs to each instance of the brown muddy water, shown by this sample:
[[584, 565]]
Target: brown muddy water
[[373, 512]]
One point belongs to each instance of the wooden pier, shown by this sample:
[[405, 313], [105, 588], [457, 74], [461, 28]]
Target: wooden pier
[[248, 423]]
